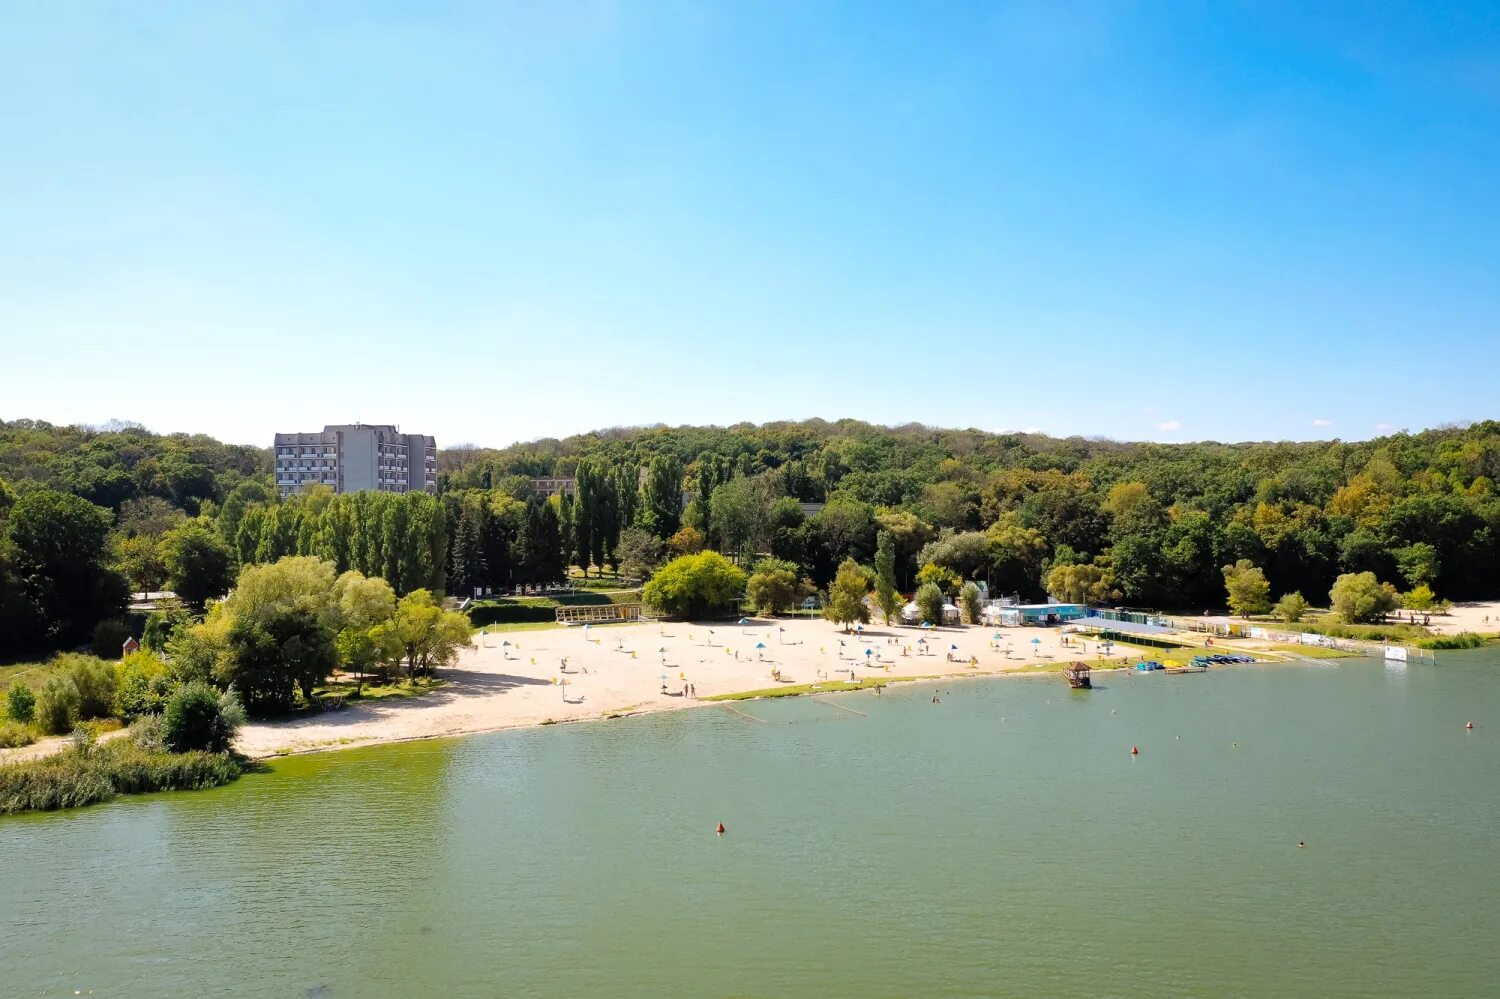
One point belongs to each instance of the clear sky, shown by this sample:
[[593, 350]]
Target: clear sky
[[495, 222]]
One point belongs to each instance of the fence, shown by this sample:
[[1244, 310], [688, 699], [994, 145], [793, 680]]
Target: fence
[[600, 613]]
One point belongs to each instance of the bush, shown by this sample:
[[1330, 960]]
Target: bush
[[1463, 640], [20, 702], [76, 777], [483, 615], [95, 681], [146, 732], [695, 586], [199, 717], [57, 704], [14, 734], [109, 638], [141, 685]]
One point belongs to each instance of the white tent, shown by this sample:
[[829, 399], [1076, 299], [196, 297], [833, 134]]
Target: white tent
[[911, 614]]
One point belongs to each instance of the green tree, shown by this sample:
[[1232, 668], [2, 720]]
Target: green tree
[[431, 636], [846, 596], [741, 514], [1359, 596], [969, 603], [276, 653], [1081, 583], [1249, 591], [1290, 608], [20, 702], [57, 552], [1419, 564], [771, 590], [929, 600], [942, 577], [695, 586], [1420, 598], [661, 496], [139, 558], [640, 553], [886, 596], [200, 566]]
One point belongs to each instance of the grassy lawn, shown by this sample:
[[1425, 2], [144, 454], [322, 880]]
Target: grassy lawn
[[31, 673], [822, 687]]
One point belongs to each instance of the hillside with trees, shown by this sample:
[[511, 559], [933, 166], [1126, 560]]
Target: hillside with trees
[[87, 515]]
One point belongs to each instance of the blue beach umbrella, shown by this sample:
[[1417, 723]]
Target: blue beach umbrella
[[927, 624], [760, 645], [744, 620], [996, 636], [953, 648], [1036, 641]]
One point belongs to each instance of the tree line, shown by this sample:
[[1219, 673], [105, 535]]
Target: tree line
[[88, 514]]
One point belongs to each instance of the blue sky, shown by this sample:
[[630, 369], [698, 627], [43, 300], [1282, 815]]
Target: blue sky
[[495, 223]]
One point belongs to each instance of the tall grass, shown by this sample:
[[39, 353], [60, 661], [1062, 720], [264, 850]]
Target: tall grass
[[84, 774], [1462, 640]]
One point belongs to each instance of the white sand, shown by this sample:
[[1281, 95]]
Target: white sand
[[1468, 616], [494, 687]]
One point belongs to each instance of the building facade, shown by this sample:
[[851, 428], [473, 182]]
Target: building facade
[[351, 457]]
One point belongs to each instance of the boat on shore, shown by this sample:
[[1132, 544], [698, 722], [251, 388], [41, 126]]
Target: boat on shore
[[1077, 676]]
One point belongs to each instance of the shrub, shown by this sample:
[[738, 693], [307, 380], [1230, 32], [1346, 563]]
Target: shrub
[[14, 734], [95, 681], [57, 704], [1291, 607], [141, 685], [147, 733], [109, 638], [20, 702], [199, 717], [73, 777]]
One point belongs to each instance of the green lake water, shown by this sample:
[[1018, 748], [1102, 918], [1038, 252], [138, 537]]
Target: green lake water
[[1001, 843]]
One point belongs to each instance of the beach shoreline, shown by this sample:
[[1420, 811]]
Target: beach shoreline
[[517, 679]]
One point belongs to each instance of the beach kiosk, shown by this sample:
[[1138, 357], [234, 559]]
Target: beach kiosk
[[1040, 615]]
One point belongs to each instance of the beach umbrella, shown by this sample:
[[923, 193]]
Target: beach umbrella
[[859, 627], [927, 624], [953, 648], [869, 653], [744, 620], [760, 645], [662, 650], [996, 636], [921, 641], [1036, 641]]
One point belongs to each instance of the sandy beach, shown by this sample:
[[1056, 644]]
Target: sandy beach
[[519, 678]]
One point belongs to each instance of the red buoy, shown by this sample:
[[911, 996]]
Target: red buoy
[[720, 830], [1469, 725], [1134, 751]]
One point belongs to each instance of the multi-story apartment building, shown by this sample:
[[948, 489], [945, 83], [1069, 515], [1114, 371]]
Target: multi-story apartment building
[[351, 457]]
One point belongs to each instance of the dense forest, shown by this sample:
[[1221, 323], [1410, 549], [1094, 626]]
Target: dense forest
[[88, 514]]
